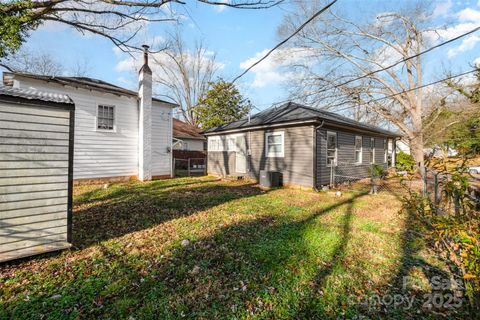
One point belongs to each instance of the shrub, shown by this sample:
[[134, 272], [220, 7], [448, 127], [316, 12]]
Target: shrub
[[404, 162], [454, 234]]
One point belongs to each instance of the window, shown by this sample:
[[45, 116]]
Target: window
[[231, 144], [106, 118], [385, 151], [372, 150], [275, 144], [358, 149], [331, 149], [214, 144]]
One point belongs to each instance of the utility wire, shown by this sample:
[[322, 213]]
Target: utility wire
[[409, 90], [390, 66], [285, 40]]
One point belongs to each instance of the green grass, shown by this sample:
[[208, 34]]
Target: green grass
[[254, 254]]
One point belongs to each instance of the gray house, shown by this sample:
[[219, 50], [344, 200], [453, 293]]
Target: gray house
[[304, 144]]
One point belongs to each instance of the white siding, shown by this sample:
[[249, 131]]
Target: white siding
[[161, 139], [100, 154]]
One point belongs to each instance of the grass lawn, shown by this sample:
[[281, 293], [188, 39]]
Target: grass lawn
[[282, 253]]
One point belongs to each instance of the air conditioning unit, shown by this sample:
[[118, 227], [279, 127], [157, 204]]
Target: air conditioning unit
[[270, 179]]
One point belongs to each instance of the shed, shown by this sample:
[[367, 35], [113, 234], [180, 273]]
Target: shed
[[36, 172]]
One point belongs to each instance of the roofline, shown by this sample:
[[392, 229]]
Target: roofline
[[315, 120], [192, 138], [119, 91], [36, 102]]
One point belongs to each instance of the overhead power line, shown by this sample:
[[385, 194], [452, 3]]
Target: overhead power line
[[388, 67], [285, 40], [409, 90]]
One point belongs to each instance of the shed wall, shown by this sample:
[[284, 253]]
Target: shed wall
[[34, 179]]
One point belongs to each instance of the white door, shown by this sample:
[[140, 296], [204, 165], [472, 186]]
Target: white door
[[241, 155]]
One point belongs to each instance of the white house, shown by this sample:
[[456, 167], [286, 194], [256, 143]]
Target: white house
[[119, 133]]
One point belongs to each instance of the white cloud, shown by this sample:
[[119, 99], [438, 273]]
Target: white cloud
[[466, 45], [468, 19], [442, 8], [273, 70], [477, 61], [469, 14]]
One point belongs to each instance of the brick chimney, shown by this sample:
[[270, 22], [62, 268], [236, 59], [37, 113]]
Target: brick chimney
[[145, 119]]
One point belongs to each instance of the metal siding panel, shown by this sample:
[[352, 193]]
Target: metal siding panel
[[25, 196], [34, 191], [13, 116], [32, 180], [33, 211]]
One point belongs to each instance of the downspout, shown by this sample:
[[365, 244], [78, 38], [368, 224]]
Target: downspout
[[315, 169]]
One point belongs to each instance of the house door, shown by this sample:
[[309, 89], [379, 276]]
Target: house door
[[241, 155]]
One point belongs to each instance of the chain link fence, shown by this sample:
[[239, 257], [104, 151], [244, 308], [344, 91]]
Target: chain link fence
[[189, 167], [445, 190], [355, 177]]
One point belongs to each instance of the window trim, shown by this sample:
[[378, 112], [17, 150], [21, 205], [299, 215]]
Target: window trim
[[355, 150], [274, 155], [336, 149], [372, 150], [385, 150], [114, 118]]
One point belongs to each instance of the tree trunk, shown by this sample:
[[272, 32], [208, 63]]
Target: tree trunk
[[416, 139], [416, 149]]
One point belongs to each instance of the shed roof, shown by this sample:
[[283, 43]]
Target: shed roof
[[183, 130], [31, 94], [81, 82], [294, 112]]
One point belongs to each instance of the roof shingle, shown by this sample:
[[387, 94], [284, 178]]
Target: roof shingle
[[186, 131], [290, 112]]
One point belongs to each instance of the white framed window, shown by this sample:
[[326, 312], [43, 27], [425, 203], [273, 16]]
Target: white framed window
[[358, 149], [214, 144], [106, 118], [372, 150], [274, 144], [385, 151], [231, 144], [331, 149]]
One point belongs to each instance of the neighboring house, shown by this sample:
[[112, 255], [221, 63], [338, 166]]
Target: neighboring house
[[300, 142], [119, 133], [403, 145], [187, 137]]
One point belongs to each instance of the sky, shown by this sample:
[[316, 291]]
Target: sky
[[239, 37]]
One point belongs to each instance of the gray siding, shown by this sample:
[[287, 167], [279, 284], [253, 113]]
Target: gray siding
[[34, 184], [346, 166], [221, 163], [296, 166]]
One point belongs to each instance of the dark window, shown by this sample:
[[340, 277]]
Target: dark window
[[106, 117]]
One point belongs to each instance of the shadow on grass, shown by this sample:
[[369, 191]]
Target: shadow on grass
[[242, 270], [132, 207]]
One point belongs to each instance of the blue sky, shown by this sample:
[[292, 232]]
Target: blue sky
[[238, 36]]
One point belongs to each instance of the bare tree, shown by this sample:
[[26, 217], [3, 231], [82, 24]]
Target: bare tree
[[184, 75], [117, 20], [342, 49], [40, 63]]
